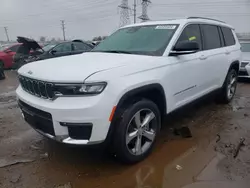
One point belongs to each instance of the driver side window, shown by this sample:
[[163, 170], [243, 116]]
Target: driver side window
[[191, 33], [65, 47]]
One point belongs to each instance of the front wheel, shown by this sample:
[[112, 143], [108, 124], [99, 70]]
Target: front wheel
[[2, 75], [229, 87], [136, 131]]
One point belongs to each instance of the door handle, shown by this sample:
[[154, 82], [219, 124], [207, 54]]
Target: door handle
[[227, 52], [203, 57]]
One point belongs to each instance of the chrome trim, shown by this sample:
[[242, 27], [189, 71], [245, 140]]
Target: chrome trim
[[67, 140], [75, 142], [25, 86], [185, 90], [182, 52]]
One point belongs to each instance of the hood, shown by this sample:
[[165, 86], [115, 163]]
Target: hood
[[245, 56], [78, 67], [32, 44]]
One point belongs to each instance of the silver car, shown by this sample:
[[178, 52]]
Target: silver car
[[245, 63]]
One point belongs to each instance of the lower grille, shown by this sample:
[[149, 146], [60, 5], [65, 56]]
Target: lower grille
[[80, 133], [243, 73], [243, 64], [38, 119]]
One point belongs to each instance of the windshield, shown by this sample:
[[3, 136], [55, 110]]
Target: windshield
[[48, 47], [2, 48], [245, 47], [144, 40]]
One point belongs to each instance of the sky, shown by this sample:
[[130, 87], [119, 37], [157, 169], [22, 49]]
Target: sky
[[85, 19]]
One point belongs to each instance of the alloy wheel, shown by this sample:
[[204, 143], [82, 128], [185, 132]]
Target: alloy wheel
[[231, 88], [141, 132]]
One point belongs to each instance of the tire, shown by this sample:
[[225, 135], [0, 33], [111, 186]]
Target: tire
[[229, 87], [124, 146], [2, 75]]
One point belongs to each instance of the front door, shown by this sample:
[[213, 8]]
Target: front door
[[63, 49], [187, 72]]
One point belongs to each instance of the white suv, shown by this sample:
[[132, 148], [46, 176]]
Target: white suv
[[120, 91]]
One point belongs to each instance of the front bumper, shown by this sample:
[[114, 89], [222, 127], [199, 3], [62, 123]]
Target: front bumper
[[244, 71], [67, 116]]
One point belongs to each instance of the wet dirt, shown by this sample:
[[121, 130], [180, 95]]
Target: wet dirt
[[199, 161]]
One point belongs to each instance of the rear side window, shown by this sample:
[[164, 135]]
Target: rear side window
[[191, 33], [228, 36], [211, 37], [14, 48], [79, 46]]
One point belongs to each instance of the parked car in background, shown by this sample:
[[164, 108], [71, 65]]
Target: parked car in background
[[245, 62], [6, 54], [28, 47], [53, 50], [2, 75], [120, 91]]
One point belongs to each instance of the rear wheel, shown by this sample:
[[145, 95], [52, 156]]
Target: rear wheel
[[136, 131], [229, 87], [2, 75]]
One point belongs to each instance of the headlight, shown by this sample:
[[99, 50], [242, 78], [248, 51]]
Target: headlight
[[92, 88], [79, 89]]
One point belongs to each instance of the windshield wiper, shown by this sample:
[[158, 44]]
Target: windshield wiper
[[114, 51]]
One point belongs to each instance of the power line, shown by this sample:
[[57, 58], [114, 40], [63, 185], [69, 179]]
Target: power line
[[124, 13], [6, 33], [215, 3], [63, 28], [90, 8], [144, 17]]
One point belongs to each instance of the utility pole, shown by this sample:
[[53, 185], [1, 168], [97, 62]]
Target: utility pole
[[6, 32], [134, 11], [124, 13], [63, 28], [144, 17]]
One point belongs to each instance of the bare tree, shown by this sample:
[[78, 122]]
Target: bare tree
[[42, 39]]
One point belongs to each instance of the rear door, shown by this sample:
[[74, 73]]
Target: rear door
[[80, 47], [214, 55], [232, 49]]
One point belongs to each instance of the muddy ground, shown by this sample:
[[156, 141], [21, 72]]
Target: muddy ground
[[27, 160]]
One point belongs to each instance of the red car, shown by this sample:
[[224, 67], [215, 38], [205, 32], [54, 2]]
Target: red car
[[6, 55]]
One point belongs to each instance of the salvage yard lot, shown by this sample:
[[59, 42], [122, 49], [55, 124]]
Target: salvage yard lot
[[27, 160]]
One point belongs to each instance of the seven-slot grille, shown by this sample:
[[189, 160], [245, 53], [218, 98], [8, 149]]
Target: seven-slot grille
[[37, 87], [243, 64]]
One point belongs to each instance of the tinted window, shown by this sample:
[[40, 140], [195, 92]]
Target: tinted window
[[221, 37], [79, 46], [211, 37], [14, 48], [228, 36], [191, 33], [64, 47]]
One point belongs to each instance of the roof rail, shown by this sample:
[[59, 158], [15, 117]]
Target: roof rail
[[205, 19]]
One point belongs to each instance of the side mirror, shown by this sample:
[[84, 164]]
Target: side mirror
[[185, 47], [7, 51], [53, 52]]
